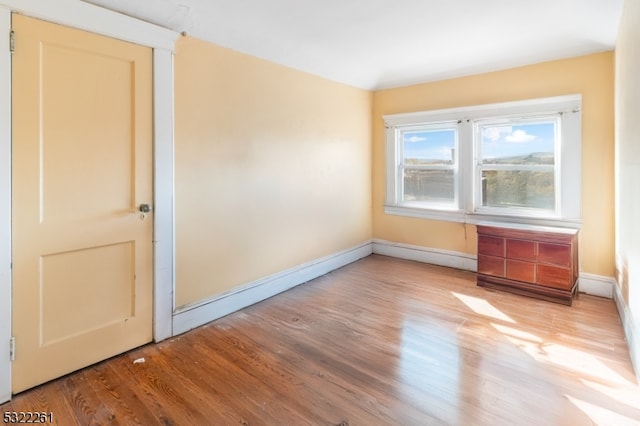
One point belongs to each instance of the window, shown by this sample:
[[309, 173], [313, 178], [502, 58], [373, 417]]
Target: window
[[428, 165], [516, 161]]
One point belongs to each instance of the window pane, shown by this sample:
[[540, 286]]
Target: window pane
[[427, 147], [518, 188], [435, 186], [523, 143]]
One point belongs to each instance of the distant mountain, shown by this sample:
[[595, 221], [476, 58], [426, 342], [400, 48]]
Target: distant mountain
[[427, 161], [533, 158]]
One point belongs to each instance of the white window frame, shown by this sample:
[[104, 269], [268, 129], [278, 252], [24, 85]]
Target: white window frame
[[480, 167], [401, 166], [568, 167]]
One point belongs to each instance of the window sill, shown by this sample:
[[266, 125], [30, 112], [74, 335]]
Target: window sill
[[460, 216], [422, 213]]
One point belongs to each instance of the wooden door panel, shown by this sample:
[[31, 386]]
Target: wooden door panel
[[102, 282], [82, 144], [107, 154]]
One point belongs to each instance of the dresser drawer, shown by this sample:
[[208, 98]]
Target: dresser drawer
[[521, 250], [521, 271], [491, 265], [491, 246], [556, 254], [554, 276]]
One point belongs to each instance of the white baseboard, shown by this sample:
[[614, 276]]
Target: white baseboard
[[433, 256], [192, 316], [631, 329], [596, 285]]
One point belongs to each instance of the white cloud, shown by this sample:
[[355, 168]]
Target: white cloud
[[519, 136], [506, 134], [495, 133], [416, 139]]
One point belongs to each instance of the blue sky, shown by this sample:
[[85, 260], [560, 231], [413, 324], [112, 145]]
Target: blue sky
[[497, 141], [512, 140], [432, 144]]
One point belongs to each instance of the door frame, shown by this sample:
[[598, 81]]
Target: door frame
[[84, 16]]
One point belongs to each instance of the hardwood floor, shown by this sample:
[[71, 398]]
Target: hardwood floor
[[379, 342]]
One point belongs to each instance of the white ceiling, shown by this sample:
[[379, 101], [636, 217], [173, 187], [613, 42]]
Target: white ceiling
[[376, 44]]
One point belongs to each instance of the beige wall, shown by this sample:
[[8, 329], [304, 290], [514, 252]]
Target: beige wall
[[592, 76], [628, 161], [273, 168]]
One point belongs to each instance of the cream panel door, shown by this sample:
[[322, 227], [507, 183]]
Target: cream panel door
[[82, 147]]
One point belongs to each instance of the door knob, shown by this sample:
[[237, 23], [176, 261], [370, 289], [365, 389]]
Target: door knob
[[144, 208]]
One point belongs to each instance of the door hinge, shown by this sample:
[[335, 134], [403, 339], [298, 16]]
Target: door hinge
[[12, 348], [12, 41]]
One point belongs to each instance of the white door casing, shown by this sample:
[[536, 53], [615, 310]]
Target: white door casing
[[5, 207], [77, 14]]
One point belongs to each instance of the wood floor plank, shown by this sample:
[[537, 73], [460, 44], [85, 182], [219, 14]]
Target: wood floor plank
[[124, 405], [379, 342]]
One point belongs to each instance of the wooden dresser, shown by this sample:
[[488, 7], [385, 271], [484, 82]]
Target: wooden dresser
[[535, 261]]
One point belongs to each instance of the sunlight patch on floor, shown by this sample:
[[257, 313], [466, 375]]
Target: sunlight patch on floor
[[482, 307], [568, 358], [604, 380], [627, 395], [602, 416], [517, 334], [578, 361]]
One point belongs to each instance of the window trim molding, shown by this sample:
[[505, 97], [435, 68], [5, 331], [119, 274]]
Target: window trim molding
[[568, 212]]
